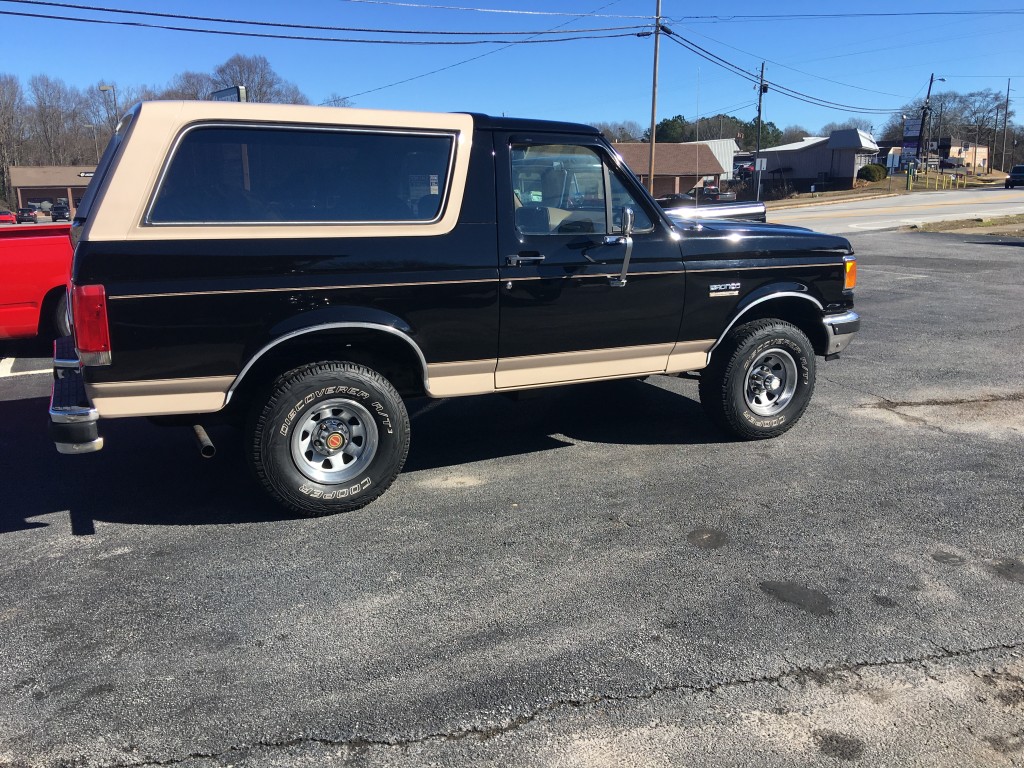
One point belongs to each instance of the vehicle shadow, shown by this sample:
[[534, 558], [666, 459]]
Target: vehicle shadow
[[628, 412], [152, 475], [38, 346]]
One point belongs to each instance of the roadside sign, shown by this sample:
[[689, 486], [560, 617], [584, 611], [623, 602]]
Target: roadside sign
[[912, 127], [234, 93], [761, 164]]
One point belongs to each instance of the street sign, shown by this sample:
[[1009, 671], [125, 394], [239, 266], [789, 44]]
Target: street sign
[[761, 164], [912, 127]]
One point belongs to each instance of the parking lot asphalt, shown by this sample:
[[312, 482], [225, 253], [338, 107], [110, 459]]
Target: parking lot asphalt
[[593, 576]]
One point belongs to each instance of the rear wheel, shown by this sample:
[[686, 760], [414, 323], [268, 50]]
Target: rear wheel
[[330, 438], [760, 379]]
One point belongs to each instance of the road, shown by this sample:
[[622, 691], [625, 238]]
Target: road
[[593, 577], [904, 210]]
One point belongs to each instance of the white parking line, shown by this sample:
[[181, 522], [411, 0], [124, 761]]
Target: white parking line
[[7, 364]]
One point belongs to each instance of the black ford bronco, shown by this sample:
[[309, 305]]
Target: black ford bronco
[[302, 271]]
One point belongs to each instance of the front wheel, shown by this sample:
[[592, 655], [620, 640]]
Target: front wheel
[[331, 437], [760, 379]]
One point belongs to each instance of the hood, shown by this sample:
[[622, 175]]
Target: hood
[[751, 238]]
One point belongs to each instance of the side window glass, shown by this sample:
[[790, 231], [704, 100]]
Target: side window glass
[[250, 175], [622, 197], [558, 189]]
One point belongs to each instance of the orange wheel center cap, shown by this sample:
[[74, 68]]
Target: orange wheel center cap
[[335, 440]]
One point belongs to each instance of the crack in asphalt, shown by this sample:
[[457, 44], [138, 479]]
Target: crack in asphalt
[[800, 675], [886, 403], [893, 406]]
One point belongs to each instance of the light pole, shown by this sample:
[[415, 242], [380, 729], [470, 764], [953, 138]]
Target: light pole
[[113, 92]]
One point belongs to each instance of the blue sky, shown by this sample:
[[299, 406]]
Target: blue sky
[[873, 63]]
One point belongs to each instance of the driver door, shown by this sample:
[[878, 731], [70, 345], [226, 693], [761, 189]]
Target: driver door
[[564, 316]]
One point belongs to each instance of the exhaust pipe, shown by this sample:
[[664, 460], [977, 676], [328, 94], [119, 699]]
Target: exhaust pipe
[[206, 447]]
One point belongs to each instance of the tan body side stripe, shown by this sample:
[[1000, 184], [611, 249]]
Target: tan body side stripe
[[466, 377], [163, 396]]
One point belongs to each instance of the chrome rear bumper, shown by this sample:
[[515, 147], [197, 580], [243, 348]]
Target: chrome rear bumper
[[73, 421]]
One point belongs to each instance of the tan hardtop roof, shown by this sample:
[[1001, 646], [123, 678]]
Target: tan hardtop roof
[[189, 111], [124, 190]]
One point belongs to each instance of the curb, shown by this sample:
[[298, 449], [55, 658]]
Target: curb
[[827, 201]]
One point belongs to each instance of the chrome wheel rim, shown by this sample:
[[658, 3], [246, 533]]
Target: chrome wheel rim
[[770, 382], [335, 441]]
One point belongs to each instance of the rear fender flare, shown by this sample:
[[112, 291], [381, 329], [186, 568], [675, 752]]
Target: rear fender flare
[[333, 319]]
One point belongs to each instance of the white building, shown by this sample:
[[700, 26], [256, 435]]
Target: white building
[[827, 162]]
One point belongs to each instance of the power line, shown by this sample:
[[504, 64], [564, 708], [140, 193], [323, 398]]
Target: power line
[[752, 78], [794, 69], [313, 38], [743, 18], [425, 6], [709, 19], [449, 66], [317, 27]]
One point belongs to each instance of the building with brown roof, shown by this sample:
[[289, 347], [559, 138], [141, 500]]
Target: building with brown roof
[[44, 185], [677, 167]]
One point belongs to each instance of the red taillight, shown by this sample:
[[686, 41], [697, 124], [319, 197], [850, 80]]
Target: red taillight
[[92, 333]]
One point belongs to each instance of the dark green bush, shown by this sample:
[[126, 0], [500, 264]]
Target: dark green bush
[[872, 172]]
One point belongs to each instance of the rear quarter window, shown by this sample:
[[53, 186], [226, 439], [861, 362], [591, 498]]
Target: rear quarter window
[[261, 175]]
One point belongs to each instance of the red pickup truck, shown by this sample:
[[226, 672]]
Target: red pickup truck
[[35, 266]]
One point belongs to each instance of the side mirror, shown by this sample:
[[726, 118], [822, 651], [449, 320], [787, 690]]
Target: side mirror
[[628, 221], [626, 239]]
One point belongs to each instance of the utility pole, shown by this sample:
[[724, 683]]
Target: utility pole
[[925, 112], [761, 88], [654, 97], [1006, 120]]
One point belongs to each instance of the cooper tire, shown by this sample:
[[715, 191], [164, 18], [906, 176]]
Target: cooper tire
[[331, 437], [760, 379]]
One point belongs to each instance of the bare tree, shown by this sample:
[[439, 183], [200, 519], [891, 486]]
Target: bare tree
[[262, 83], [189, 85], [12, 130], [793, 133], [334, 100], [844, 125], [623, 130], [55, 120]]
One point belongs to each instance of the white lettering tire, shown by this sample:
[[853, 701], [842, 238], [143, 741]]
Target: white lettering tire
[[330, 438], [760, 379]]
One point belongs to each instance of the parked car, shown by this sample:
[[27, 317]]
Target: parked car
[[715, 195], [193, 295], [1016, 177], [60, 213], [6, 217], [27, 216], [951, 162]]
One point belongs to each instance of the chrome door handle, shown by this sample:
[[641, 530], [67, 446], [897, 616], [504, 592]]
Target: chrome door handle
[[524, 257]]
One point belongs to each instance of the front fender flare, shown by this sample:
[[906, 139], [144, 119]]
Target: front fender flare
[[770, 292]]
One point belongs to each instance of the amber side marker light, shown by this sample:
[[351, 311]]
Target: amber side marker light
[[851, 274]]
